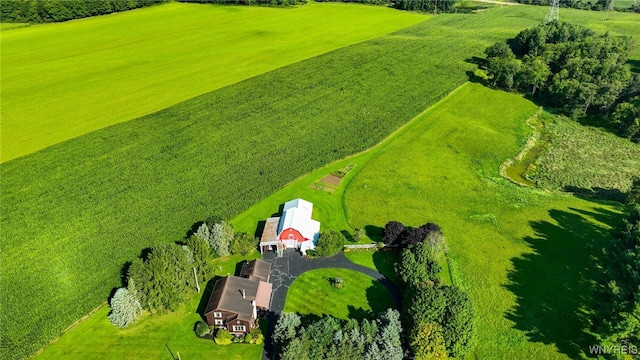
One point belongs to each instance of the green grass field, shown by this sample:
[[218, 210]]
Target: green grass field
[[531, 269], [160, 336], [60, 81], [612, 160], [75, 212], [312, 294]]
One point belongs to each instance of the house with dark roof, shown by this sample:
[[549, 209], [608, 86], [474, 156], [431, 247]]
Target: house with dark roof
[[295, 229], [235, 300]]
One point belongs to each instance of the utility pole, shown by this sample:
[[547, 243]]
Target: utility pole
[[553, 15], [196, 276], [609, 9]]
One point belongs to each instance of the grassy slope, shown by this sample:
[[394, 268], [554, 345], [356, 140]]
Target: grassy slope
[[312, 293], [96, 338], [528, 258], [105, 194], [64, 80]]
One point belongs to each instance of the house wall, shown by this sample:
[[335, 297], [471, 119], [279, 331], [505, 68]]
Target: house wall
[[246, 324], [284, 235], [225, 315]]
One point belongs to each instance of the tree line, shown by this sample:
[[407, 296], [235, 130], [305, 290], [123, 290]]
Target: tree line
[[439, 319], [46, 11], [331, 338], [411, 5], [617, 318], [597, 5], [249, 2], [571, 68], [165, 276]]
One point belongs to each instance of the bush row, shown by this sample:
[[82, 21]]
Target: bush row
[[439, 319]]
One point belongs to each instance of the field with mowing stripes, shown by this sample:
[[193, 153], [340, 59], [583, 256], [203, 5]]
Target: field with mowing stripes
[[75, 212], [64, 80]]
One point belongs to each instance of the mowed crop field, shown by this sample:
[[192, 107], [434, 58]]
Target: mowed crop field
[[75, 212], [60, 81], [530, 259]]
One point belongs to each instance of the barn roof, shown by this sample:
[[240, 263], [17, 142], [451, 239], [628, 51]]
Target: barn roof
[[227, 296], [297, 215], [257, 268], [304, 206]]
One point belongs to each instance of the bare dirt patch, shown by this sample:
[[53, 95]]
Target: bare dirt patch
[[331, 180]]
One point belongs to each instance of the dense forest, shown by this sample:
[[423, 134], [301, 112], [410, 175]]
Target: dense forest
[[571, 68], [44, 11]]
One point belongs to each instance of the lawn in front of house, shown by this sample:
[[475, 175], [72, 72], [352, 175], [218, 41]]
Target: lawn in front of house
[[313, 294]]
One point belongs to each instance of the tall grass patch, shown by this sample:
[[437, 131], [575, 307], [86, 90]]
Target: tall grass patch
[[586, 160]]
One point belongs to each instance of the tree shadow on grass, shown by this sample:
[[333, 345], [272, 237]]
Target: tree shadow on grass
[[556, 283], [373, 232], [206, 294]]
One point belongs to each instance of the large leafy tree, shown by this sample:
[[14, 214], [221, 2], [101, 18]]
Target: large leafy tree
[[330, 242], [418, 267]]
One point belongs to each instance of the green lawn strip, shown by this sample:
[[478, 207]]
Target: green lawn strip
[[529, 259], [312, 294], [95, 337], [381, 261], [63, 80]]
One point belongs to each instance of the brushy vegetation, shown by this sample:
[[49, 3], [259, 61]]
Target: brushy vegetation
[[119, 190], [313, 294], [96, 72], [585, 160], [538, 258]]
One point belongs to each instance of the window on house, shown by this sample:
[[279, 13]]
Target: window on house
[[291, 237], [219, 322], [238, 328], [217, 314]]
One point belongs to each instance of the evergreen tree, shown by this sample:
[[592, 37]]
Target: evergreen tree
[[286, 328], [125, 308], [221, 238]]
